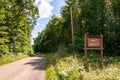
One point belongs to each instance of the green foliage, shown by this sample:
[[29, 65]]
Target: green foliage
[[73, 68], [7, 58], [48, 39], [93, 17], [77, 47], [21, 56], [110, 73], [17, 19], [64, 69], [51, 74], [51, 59], [68, 68], [75, 75], [3, 49]]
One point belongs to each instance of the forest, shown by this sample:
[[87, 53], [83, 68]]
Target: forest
[[93, 17], [17, 20]]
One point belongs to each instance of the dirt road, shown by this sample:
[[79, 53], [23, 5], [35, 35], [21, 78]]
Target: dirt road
[[27, 69]]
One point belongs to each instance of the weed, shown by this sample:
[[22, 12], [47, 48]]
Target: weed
[[73, 68], [8, 58]]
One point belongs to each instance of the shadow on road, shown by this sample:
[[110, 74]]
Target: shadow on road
[[38, 64]]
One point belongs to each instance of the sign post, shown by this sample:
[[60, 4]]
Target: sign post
[[93, 43]]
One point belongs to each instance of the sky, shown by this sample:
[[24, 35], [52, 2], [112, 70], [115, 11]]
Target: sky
[[47, 8]]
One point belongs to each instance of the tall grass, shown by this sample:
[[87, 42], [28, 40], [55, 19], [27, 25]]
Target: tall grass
[[72, 67], [8, 58]]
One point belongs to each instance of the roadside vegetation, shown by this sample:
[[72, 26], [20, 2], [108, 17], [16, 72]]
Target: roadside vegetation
[[17, 19], [8, 58], [70, 67]]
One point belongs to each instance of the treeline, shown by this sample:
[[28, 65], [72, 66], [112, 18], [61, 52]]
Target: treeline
[[93, 17], [17, 18]]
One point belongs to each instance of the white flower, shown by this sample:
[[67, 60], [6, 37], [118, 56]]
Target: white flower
[[64, 72], [81, 67]]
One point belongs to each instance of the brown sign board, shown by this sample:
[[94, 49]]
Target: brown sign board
[[93, 42]]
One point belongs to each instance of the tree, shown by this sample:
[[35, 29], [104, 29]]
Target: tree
[[93, 17], [19, 18], [4, 40], [49, 39]]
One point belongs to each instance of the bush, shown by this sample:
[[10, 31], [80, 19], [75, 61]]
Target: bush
[[3, 49], [65, 69], [78, 46], [7, 58], [51, 74], [71, 68], [51, 59], [68, 66], [110, 73], [20, 56]]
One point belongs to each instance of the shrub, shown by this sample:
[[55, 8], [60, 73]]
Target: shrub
[[66, 65], [51, 74], [7, 58], [110, 73], [71, 68], [3, 49], [66, 69], [51, 59], [20, 56]]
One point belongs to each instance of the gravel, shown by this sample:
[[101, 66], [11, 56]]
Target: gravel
[[32, 68]]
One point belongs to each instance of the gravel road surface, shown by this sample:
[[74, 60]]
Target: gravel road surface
[[32, 68]]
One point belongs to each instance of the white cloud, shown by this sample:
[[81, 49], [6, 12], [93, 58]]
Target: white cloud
[[45, 8], [45, 11]]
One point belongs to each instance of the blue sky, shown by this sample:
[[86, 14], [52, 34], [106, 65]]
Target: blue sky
[[47, 8]]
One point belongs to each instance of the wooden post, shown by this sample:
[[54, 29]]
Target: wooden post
[[93, 43], [85, 47], [72, 29], [101, 50]]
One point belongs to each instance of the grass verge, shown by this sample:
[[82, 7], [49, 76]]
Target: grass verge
[[8, 58], [70, 67]]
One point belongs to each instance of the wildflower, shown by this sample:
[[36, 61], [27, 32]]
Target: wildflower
[[64, 73], [81, 67]]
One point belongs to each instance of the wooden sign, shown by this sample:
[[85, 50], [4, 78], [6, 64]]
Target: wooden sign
[[93, 43]]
